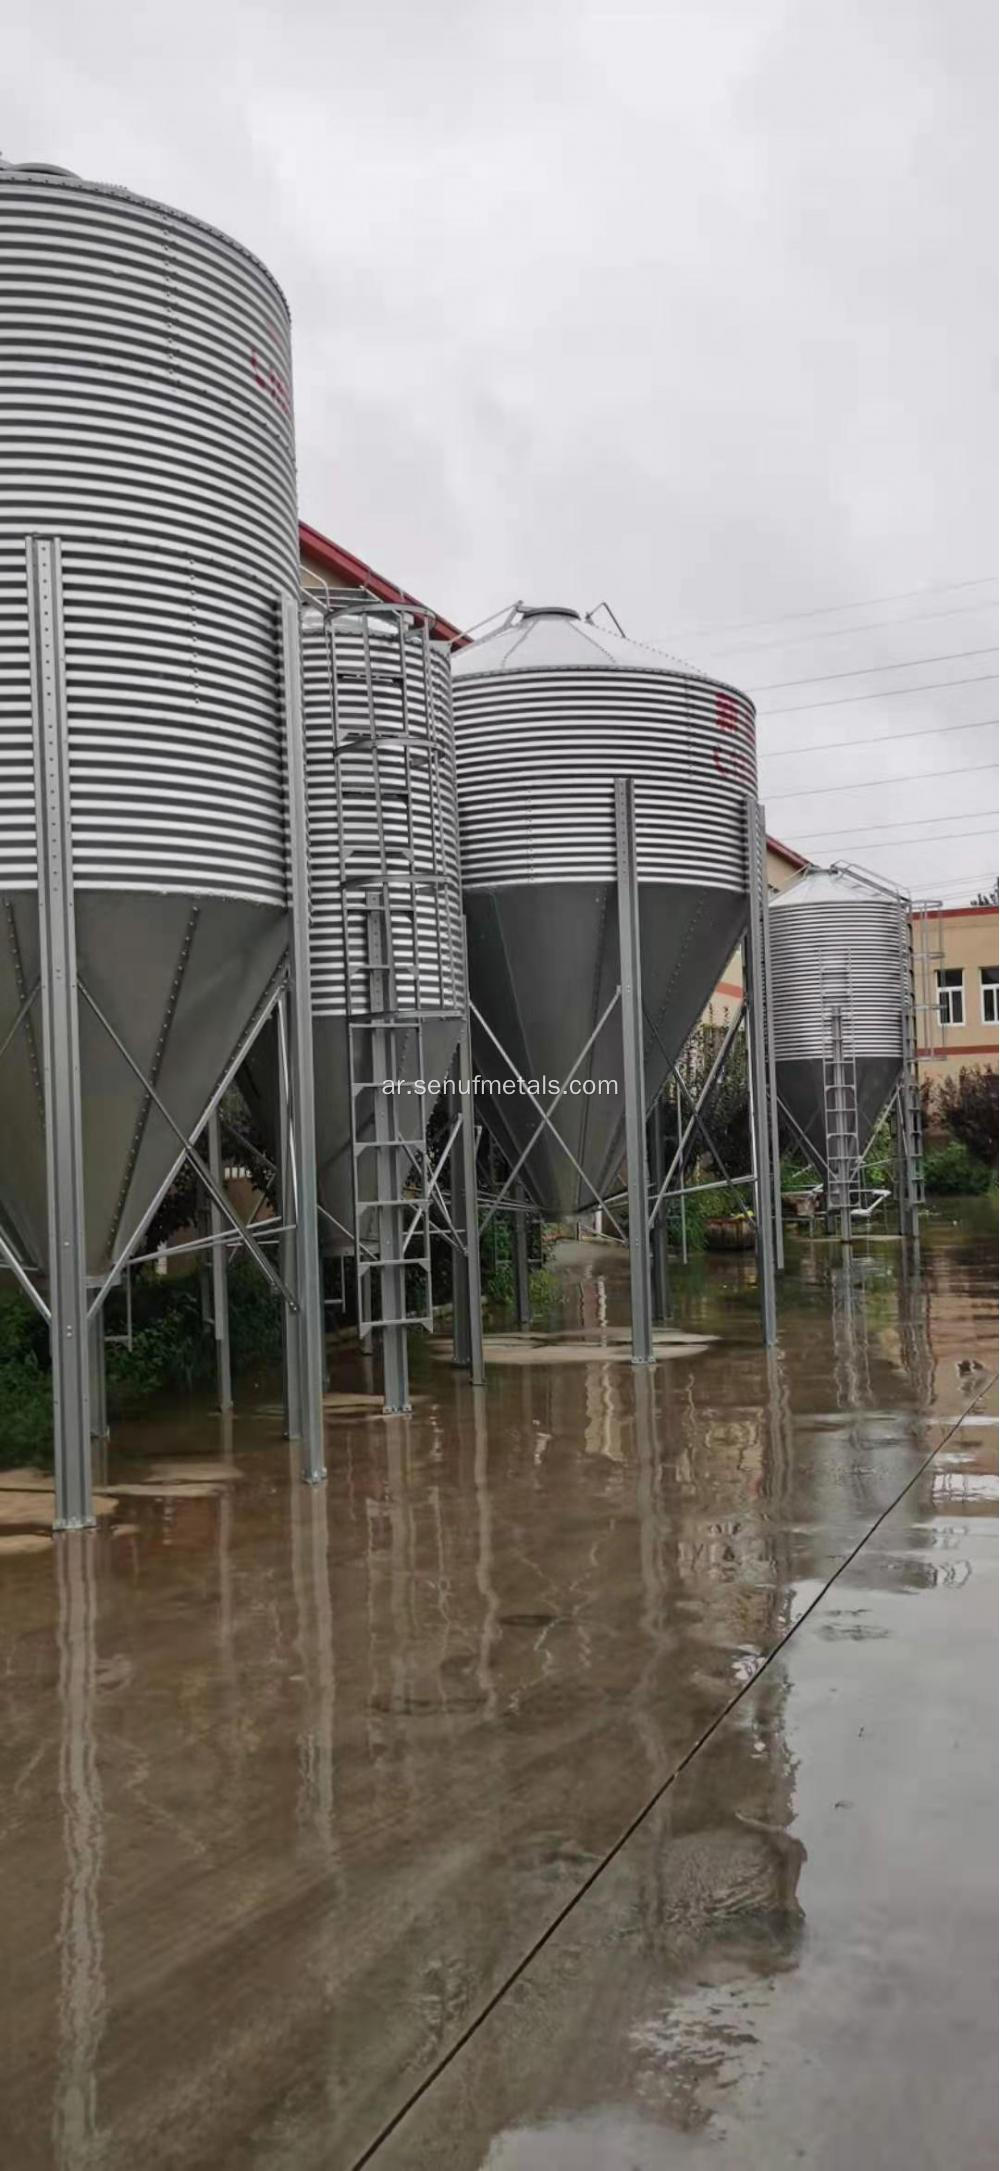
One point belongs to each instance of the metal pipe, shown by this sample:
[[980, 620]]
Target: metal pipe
[[220, 1283], [74, 1507], [772, 1074], [469, 1211], [658, 1231], [633, 1071], [308, 1276], [760, 1127]]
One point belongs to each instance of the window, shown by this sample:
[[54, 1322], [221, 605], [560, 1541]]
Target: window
[[951, 996], [989, 989]]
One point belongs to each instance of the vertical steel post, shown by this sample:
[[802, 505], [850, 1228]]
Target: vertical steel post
[[60, 1041], [220, 1280], [522, 1277], [290, 1353], [308, 1281], [760, 1127], [658, 1233], [772, 1075], [633, 1071], [680, 1172], [468, 1225], [389, 1216]]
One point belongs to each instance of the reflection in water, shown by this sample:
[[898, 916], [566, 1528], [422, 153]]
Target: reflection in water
[[81, 1945], [484, 1558], [311, 1585]]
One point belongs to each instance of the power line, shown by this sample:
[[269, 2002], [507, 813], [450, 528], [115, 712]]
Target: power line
[[911, 821], [885, 738], [858, 784], [826, 610], [837, 633], [906, 821], [883, 693], [895, 844], [869, 670]]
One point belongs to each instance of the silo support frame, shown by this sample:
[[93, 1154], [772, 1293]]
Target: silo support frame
[[74, 1507], [220, 1283], [469, 1314], [763, 1124], [658, 1222], [308, 1273], [633, 1072]]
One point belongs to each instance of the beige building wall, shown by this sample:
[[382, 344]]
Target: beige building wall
[[967, 940]]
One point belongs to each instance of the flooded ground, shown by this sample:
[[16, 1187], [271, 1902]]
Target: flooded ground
[[597, 1774]]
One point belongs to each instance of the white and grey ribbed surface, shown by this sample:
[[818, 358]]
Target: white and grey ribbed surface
[[548, 711], [828, 920], [353, 675], [146, 419]]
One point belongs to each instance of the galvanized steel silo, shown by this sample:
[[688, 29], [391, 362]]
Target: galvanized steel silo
[[839, 973], [382, 814], [548, 712], [146, 420]]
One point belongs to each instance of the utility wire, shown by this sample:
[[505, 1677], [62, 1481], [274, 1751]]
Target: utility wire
[[905, 821], [883, 693], [860, 784], [827, 610], [838, 633], [885, 738], [869, 670], [897, 844]]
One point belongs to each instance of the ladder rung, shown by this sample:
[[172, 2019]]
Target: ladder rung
[[412, 1204], [383, 1145]]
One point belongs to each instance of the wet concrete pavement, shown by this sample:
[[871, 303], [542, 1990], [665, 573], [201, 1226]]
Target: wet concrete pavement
[[295, 1781]]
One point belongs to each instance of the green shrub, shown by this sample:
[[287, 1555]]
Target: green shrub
[[25, 1384], [968, 1107], [953, 1169]]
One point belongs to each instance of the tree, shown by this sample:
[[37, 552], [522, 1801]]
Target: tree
[[989, 897], [969, 1106]]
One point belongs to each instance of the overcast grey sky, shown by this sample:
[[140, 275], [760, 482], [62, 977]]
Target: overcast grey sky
[[687, 306]]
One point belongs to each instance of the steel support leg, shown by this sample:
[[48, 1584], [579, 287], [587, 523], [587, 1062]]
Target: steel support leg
[[760, 1129], [772, 1074], [220, 1279], [522, 1277], [633, 1070], [60, 1042], [468, 1221], [290, 1337], [658, 1233], [388, 1186], [308, 1278]]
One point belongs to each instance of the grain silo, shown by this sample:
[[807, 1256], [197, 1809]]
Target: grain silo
[[148, 565], [387, 942], [843, 1023], [599, 782]]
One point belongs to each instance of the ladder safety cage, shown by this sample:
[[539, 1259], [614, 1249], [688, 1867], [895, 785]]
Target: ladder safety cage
[[402, 958]]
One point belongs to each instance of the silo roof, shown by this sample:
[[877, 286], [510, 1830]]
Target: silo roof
[[829, 885], [552, 637]]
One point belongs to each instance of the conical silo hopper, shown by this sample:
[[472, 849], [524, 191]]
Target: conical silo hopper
[[548, 712], [382, 814], [839, 949], [146, 422]]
